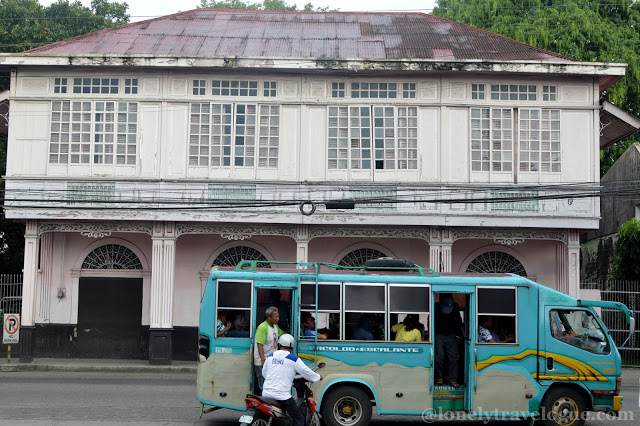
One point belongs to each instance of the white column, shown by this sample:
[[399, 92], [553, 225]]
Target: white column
[[29, 272], [162, 275], [440, 244], [43, 294], [302, 243], [573, 257]]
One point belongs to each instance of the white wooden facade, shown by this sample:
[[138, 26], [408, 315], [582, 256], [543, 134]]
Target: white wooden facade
[[141, 169]]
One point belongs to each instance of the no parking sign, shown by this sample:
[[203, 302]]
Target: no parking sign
[[11, 329]]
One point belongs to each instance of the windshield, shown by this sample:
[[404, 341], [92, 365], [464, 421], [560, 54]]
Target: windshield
[[578, 328]]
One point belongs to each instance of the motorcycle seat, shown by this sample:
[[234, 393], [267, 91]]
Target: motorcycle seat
[[264, 399]]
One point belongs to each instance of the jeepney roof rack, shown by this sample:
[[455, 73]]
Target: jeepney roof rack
[[383, 264]]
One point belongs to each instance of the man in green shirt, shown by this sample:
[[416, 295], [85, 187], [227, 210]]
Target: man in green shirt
[[267, 335]]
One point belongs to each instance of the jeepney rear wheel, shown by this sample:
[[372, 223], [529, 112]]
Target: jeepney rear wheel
[[346, 406], [563, 407]]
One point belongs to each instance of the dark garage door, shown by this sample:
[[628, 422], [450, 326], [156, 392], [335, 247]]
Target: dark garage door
[[109, 318]]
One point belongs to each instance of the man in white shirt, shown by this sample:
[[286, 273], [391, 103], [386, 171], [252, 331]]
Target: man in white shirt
[[278, 370]]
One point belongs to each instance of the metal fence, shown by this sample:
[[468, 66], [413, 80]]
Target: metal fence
[[10, 294], [627, 292]]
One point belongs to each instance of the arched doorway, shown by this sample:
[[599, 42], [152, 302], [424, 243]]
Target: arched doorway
[[110, 308], [497, 262]]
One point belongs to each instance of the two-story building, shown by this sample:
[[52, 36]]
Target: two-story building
[[142, 155]]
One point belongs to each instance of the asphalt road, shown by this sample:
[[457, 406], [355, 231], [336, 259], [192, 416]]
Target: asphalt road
[[71, 398]]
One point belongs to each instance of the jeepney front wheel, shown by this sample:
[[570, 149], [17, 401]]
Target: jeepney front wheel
[[562, 407], [346, 406]]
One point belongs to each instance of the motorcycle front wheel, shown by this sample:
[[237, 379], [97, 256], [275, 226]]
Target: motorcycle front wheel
[[314, 420]]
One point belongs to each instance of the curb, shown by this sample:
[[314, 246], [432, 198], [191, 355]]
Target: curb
[[12, 368]]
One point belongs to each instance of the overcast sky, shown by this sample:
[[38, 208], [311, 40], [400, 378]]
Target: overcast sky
[[146, 9]]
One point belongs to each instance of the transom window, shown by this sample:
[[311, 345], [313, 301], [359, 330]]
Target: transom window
[[374, 90], [539, 135], [112, 256], [233, 256], [96, 192], [234, 88], [497, 262], [96, 85], [357, 257], [224, 135], [492, 139], [395, 137], [93, 132], [513, 92]]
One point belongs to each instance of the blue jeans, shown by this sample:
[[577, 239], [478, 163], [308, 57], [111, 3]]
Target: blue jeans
[[259, 379]]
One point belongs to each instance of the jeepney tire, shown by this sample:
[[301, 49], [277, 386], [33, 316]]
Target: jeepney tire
[[562, 406], [346, 406]]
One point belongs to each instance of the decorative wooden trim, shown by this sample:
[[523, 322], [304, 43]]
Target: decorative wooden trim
[[509, 237], [95, 230]]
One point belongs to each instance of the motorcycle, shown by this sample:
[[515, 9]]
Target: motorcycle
[[263, 411]]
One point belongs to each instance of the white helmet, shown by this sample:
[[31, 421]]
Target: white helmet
[[286, 340]]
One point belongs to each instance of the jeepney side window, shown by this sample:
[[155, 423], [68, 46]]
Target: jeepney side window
[[233, 309], [578, 328], [364, 311], [497, 315], [328, 319], [412, 301]]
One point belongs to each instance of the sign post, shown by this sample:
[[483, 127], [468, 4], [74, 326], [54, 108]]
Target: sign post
[[11, 332]]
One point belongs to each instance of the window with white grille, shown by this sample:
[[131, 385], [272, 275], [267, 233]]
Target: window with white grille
[[199, 87], [224, 135], [408, 90], [513, 92], [95, 132], [234, 88], [549, 93], [539, 139], [394, 131], [60, 85], [491, 139], [131, 86], [270, 89], [337, 90], [374, 90], [102, 86], [477, 91]]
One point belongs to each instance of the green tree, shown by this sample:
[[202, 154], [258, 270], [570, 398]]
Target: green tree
[[626, 261], [586, 30], [26, 24], [264, 5]]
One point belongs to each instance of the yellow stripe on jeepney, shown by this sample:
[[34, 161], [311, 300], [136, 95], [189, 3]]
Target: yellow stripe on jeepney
[[582, 371], [310, 357]]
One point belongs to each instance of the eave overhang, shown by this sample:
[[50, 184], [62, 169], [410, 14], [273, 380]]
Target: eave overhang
[[615, 124], [608, 73]]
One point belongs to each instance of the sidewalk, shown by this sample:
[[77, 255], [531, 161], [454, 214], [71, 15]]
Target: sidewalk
[[97, 365]]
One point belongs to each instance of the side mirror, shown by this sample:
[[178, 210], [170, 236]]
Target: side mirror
[[322, 365]]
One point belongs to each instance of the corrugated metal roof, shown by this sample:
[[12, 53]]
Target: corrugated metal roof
[[326, 35]]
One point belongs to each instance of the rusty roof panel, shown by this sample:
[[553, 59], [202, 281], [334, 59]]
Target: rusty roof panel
[[334, 35]]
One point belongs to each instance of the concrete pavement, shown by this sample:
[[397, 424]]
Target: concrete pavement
[[96, 365]]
